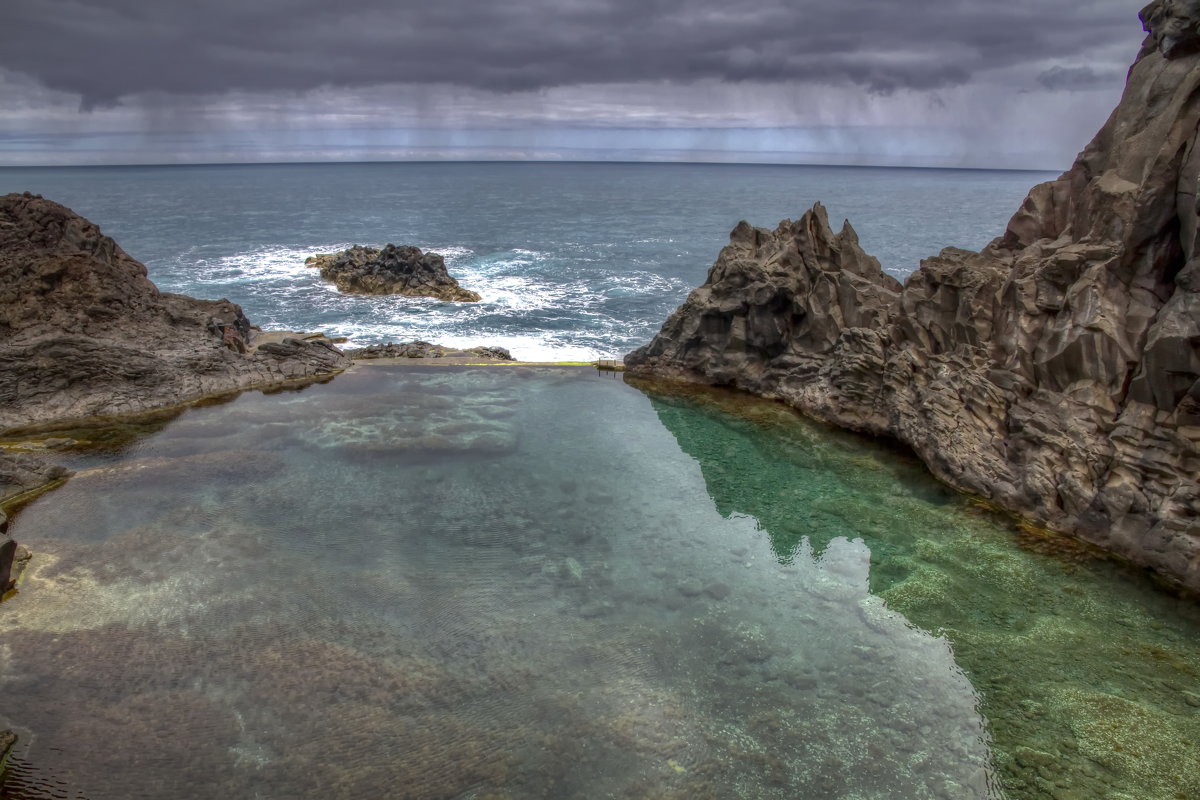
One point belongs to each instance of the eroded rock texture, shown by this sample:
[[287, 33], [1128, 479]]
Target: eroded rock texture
[[1056, 373], [85, 334], [392, 270]]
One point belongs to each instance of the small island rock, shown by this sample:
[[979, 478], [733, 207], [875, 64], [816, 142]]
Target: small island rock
[[392, 270]]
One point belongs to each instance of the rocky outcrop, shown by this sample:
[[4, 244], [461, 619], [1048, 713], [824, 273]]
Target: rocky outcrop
[[1056, 373], [392, 270], [419, 349], [84, 334], [22, 474]]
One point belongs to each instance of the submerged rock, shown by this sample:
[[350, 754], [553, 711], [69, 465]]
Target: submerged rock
[[392, 270], [1056, 373], [85, 334], [21, 473], [8, 740], [8, 555]]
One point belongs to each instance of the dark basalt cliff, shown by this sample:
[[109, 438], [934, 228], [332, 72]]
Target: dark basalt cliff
[[392, 270], [1056, 373], [85, 334]]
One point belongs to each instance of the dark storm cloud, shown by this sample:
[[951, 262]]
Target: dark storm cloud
[[106, 49]]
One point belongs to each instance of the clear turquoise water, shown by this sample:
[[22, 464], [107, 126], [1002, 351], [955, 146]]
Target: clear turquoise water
[[574, 261], [541, 582], [1089, 676]]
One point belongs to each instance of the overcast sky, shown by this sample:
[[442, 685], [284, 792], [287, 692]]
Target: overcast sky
[[978, 83]]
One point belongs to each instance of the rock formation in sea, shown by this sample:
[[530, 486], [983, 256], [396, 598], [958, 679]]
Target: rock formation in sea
[[84, 334], [1056, 373], [392, 270]]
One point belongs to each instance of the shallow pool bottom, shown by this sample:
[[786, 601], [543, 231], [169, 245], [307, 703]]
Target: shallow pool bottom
[[536, 582]]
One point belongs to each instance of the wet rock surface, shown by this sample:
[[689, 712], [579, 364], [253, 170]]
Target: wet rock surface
[[21, 473], [1056, 373], [419, 349], [85, 334], [392, 270]]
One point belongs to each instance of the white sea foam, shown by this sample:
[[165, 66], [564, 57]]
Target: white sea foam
[[540, 306], [264, 264], [279, 262], [542, 346], [450, 253]]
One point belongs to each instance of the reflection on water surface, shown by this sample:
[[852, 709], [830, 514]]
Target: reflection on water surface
[[1089, 676], [520, 583]]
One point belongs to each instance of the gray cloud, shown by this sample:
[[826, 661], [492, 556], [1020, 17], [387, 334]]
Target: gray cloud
[[1075, 79], [103, 50]]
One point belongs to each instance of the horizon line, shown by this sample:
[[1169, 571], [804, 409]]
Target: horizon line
[[598, 162]]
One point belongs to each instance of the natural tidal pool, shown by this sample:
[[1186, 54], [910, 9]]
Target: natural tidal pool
[[536, 582]]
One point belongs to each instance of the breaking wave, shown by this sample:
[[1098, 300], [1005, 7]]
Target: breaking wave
[[541, 305]]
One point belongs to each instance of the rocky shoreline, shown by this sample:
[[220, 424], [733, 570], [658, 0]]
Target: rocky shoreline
[[87, 339], [1056, 373], [85, 335]]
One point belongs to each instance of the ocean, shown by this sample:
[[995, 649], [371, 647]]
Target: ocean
[[543, 581], [575, 261]]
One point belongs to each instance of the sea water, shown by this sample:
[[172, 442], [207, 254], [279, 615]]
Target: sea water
[[543, 582], [574, 261]]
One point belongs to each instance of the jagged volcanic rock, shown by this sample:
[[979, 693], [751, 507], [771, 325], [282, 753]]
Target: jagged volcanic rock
[[392, 270], [1056, 373], [85, 334]]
